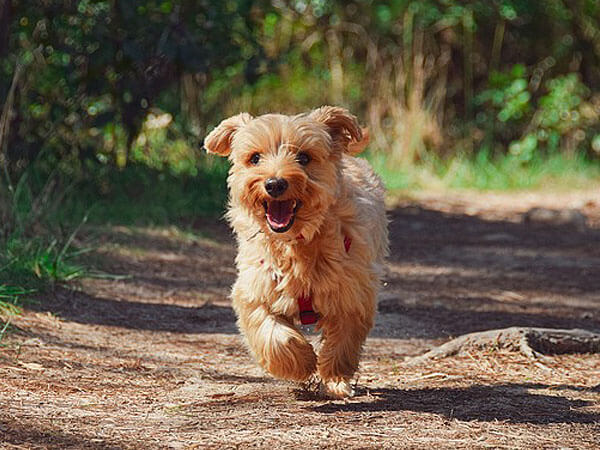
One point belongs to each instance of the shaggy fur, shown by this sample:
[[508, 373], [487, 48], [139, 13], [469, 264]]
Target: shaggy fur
[[339, 197]]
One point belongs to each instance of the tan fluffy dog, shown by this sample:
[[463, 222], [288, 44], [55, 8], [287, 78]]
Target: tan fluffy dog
[[312, 235]]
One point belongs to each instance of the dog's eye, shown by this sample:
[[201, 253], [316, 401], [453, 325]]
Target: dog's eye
[[255, 158], [303, 158]]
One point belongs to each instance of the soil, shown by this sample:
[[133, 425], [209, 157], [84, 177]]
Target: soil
[[153, 359]]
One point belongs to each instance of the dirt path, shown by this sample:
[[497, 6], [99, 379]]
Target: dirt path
[[155, 361]]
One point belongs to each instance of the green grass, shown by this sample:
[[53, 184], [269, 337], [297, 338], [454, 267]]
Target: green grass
[[141, 195], [30, 262], [35, 251], [28, 266], [10, 297], [31, 265], [483, 172]]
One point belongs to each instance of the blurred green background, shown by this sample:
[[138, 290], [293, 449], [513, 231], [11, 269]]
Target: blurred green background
[[105, 103]]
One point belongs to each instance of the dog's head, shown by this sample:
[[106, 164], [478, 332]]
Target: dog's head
[[285, 169]]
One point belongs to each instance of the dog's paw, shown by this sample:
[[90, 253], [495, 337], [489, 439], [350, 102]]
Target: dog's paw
[[294, 360], [337, 389]]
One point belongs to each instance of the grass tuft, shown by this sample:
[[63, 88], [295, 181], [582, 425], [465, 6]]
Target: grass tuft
[[485, 173], [9, 299]]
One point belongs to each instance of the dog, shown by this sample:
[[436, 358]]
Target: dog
[[311, 228]]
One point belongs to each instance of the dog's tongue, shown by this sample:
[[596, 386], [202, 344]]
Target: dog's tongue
[[279, 213]]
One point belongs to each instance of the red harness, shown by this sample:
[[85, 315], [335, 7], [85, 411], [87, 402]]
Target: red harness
[[308, 315]]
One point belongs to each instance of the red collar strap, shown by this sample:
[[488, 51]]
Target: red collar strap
[[308, 315]]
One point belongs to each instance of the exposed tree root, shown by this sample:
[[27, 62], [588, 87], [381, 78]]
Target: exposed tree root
[[532, 342]]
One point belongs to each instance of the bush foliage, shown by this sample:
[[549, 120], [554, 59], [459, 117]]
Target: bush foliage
[[90, 83]]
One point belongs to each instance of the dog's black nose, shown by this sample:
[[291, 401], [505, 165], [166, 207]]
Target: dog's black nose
[[276, 186]]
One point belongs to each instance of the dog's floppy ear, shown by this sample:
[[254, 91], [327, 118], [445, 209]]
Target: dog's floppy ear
[[343, 127], [354, 148], [219, 140]]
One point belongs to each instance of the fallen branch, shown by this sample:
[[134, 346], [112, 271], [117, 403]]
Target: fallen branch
[[532, 342]]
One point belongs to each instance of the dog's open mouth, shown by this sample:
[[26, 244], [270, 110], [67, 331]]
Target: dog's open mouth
[[281, 214]]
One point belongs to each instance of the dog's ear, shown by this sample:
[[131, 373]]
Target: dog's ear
[[343, 127], [219, 140], [354, 148]]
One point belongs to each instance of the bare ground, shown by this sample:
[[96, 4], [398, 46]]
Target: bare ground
[[154, 360]]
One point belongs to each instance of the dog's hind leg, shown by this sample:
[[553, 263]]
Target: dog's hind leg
[[276, 344]]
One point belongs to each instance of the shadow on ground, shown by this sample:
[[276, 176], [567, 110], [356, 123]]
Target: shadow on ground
[[451, 274], [19, 434], [87, 309], [513, 403], [561, 259]]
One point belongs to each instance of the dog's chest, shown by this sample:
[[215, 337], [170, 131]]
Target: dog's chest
[[289, 277]]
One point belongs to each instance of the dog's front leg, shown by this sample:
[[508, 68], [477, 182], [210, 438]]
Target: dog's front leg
[[342, 342], [276, 344]]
